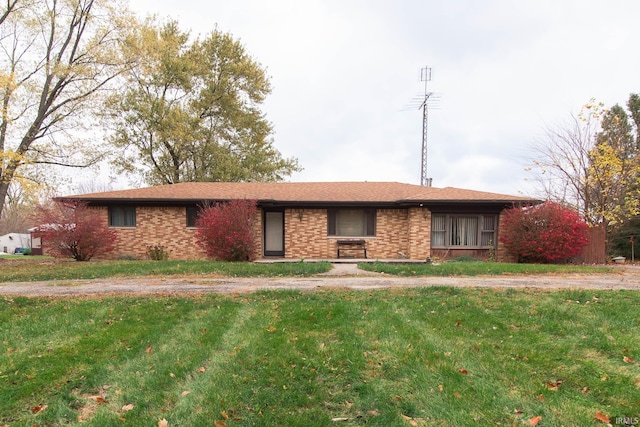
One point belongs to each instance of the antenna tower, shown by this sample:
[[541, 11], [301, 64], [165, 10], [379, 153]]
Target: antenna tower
[[425, 76]]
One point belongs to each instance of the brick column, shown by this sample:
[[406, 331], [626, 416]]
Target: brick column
[[502, 255], [419, 230]]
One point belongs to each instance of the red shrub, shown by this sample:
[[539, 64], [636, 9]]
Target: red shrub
[[543, 233], [226, 231], [71, 229]]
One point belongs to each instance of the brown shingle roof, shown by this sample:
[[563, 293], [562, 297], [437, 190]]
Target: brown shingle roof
[[299, 192]]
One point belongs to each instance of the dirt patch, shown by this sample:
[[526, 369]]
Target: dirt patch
[[625, 278]]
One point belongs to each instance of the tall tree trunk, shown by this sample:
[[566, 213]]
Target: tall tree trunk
[[4, 189]]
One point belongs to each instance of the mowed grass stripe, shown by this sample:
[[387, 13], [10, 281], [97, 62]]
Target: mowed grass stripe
[[508, 374], [419, 356], [112, 353], [172, 359], [430, 356], [205, 391], [59, 351]]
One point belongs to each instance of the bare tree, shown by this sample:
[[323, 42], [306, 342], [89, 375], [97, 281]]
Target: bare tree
[[20, 202], [57, 58], [563, 165], [593, 163], [9, 7]]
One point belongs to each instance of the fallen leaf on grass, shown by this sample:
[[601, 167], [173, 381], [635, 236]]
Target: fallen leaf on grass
[[373, 412], [202, 369], [535, 420], [339, 419], [628, 359], [602, 417], [271, 328], [149, 350], [163, 423], [98, 399], [463, 371], [554, 386], [184, 393], [224, 415], [128, 407], [219, 423], [38, 408], [415, 422]]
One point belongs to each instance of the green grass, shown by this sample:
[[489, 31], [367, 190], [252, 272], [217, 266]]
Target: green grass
[[23, 257], [27, 269], [479, 268], [431, 356], [50, 270]]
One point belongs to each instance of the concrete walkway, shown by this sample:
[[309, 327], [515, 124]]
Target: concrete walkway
[[347, 269]]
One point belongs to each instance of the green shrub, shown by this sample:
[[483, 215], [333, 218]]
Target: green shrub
[[157, 253]]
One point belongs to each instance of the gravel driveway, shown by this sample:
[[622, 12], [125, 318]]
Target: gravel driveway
[[346, 276]]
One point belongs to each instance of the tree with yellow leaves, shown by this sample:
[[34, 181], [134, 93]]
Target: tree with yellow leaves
[[614, 171], [593, 163], [57, 59]]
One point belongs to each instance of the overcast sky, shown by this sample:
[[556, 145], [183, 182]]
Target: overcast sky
[[346, 76]]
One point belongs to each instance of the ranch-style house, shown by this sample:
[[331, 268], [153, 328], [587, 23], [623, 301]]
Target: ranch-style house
[[315, 220]]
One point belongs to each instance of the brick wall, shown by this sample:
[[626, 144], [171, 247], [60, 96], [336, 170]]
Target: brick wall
[[165, 226], [419, 233], [305, 234], [400, 233]]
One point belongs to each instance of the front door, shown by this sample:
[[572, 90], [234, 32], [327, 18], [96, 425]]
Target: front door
[[274, 233]]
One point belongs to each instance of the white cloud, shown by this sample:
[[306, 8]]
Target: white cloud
[[344, 72]]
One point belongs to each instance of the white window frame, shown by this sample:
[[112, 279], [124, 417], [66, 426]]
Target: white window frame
[[449, 231]]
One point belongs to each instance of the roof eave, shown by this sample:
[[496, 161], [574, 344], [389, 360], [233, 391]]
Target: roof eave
[[304, 203]]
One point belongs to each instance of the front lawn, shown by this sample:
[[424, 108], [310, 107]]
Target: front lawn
[[26, 269], [475, 268], [51, 269], [410, 357]]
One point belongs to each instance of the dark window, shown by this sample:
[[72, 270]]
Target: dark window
[[475, 231], [122, 216], [351, 222], [192, 215]]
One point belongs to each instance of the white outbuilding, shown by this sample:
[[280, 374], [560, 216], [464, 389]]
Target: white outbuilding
[[12, 241]]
